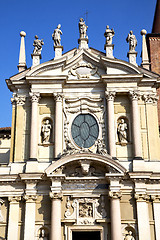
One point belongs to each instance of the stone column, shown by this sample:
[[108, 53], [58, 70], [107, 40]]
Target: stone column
[[30, 209], [58, 125], [116, 233], [56, 216], [143, 217], [111, 130], [134, 96], [156, 211], [34, 129], [13, 218]]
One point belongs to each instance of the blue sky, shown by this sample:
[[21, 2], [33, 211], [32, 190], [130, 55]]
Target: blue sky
[[41, 18]]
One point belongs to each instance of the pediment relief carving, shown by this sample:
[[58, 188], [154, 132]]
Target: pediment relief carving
[[84, 168], [83, 70]]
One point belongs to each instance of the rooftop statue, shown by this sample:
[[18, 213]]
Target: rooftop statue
[[82, 28], [109, 34], [37, 45], [56, 36], [131, 39]]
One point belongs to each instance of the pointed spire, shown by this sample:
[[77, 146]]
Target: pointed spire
[[22, 55], [145, 59], [156, 22]]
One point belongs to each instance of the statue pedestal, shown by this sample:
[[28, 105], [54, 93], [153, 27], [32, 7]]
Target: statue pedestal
[[83, 43], [58, 51], [109, 50], [35, 59], [132, 57]]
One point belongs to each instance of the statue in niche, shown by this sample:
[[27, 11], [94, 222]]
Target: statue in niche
[[131, 39], [129, 236], [46, 131], [85, 210], [56, 36], [109, 34], [43, 235], [82, 28], [122, 131], [37, 45]]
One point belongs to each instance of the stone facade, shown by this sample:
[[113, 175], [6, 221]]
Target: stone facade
[[84, 150]]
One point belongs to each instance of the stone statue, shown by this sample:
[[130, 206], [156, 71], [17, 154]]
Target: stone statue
[[46, 131], [109, 34], [122, 131], [101, 148], [82, 28], [56, 36], [43, 235], [37, 45], [129, 236], [131, 39]]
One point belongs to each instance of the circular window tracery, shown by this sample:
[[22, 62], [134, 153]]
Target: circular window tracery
[[85, 130]]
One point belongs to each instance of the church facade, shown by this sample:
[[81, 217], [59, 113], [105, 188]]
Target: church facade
[[83, 157]]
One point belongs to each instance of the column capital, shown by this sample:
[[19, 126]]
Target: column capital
[[110, 95], [34, 96], [18, 99], [150, 98], [14, 199], [30, 198], [155, 198], [55, 195], [140, 197], [115, 195], [58, 97], [134, 95]]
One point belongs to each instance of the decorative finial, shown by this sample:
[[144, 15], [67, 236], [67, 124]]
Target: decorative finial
[[145, 59], [109, 34], [132, 54], [56, 36], [22, 55], [83, 40]]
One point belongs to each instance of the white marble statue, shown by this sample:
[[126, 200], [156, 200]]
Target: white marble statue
[[37, 45], [46, 131], [122, 131], [129, 236], [82, 28], [109, 34], [43, 235], [56, 36], [131, 39]]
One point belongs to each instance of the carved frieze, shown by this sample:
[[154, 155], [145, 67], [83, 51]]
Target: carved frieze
[[83, 70]]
